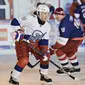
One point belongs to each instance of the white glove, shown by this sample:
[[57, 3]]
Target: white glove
[[45, 58]]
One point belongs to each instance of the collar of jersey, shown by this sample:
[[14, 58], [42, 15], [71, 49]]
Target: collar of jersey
[[40, 22]]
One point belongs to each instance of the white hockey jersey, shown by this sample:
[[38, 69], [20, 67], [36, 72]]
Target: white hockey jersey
[[31, 25]]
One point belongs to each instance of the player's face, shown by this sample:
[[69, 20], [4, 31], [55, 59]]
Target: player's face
[[44, 16], [58, 17]]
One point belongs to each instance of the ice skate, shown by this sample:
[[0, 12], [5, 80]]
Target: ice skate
[[66, 69], [45, 80], [72, 70], [62, 70], [13, 81]]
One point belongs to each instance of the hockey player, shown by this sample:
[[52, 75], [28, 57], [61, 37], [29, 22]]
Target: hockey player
[[71, 36], [80, 13], [35, 26], [51, 8], [73, 6]]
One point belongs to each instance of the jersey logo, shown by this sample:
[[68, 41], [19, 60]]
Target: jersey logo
[[37, 35], [63, 29]]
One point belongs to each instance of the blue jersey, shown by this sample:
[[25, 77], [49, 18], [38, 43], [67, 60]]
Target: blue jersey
[[81, 11], [67, 28]]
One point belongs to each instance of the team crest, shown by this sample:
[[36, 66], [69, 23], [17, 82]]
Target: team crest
[[37, 35], [63, 29]]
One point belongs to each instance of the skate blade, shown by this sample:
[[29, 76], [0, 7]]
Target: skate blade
[[46, 83]]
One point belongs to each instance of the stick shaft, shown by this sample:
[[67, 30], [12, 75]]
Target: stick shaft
[[32, 66], [55, 64]]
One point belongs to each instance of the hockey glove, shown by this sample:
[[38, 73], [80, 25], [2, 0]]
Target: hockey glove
[[45, 58], [17, 35]]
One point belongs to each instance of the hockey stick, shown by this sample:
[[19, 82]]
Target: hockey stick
[[32, 66], [35, 50], [74, 78], [63, 70]]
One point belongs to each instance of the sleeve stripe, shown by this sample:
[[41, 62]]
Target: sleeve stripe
[[15, 22]]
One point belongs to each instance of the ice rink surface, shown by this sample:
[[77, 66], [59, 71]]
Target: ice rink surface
[[31, 76]]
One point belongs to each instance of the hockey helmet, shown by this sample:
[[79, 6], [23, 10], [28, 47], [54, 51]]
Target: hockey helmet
[[43, 8]]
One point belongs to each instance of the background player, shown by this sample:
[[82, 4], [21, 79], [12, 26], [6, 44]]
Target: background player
[[71, 36], [80, 13], [73, 6]]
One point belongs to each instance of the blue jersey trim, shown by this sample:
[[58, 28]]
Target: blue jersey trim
[[27, 37], [15, 22], [18, 68], [43, 42], [44, 66], [75, 64]]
